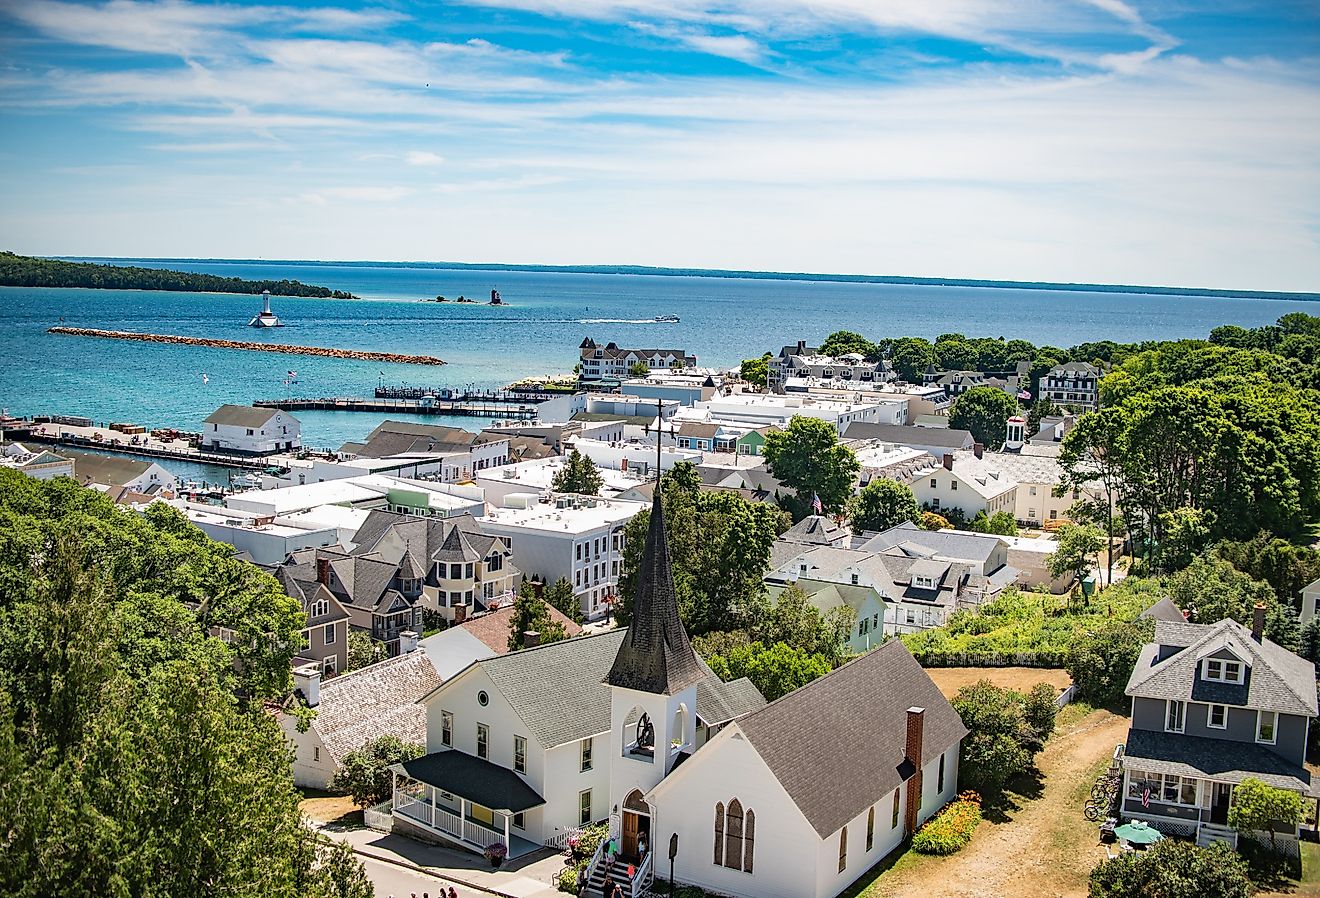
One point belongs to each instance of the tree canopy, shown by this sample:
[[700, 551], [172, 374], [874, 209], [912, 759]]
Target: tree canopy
[[1008, 729], [135, 749], [578, 475], [1172, 868], [808, 457], [882, 504], [532, 613], [984, 411], [364, 774], [756, 371], [845, 342]]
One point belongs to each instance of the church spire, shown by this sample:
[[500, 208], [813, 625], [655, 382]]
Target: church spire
[[656, 655]]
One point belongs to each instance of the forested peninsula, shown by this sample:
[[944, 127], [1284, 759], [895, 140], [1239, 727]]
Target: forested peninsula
[[27, 271]]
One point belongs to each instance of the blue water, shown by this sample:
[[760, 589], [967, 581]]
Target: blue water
[[723, 320]]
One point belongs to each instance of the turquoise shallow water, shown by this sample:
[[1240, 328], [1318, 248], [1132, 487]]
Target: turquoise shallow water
[[723, 320]]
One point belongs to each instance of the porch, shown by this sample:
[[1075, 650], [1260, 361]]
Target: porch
[[466, 800]]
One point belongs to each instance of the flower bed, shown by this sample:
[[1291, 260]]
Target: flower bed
[[951, 829]]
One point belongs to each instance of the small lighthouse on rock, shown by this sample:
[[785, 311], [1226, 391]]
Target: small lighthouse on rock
[[265, 318]]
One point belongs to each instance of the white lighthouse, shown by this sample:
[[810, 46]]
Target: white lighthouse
[[265, 318]]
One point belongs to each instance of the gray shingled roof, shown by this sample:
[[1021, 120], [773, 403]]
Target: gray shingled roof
[[107, 470], [377, 700], [241, 416], [1164, 610], [558, 689], [814, 530], [836, 744], [1155, 752], [1278, 680]]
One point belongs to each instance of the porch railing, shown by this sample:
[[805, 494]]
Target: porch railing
[[642, 881], [479, 834], [412, 806], [448, 822], [595, 859]]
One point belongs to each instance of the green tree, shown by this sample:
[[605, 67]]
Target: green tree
[[775, 670], [1001, 523], [882, 504], [639, 369], [1285, 566], [1078, 546], [578, 475], [932, 521], [793, 620], [1008, 729], [1259, 807], [955, 355], [532, 613], [362, 650], [1173, 869], [1308, 645], [561, 597], [807, 456], [1101, 658], [756, 371], [984, 411], [1211, 589], [365, 775], [844, 342], [911, 356]]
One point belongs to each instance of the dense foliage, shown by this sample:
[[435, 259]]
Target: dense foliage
[[845, 342], [808, 457], [135, 751], [1027, 628], [578, 475], [365, 775], [1077, 548], [1172, 868], [719, 544], [775, 670], [1260, 807], [1210, 589], [1007, 730], [1102, 656], [26, 271], [882, 504], [949, 831], [984, 411], [1001, 523], [560, 596], [756, 371]]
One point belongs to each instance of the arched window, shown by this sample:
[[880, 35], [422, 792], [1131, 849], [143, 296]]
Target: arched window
[[749, 840], [719, 834], [733, 836], [870, 828]]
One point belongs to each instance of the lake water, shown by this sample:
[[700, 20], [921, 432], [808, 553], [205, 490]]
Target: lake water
[[723, 320]]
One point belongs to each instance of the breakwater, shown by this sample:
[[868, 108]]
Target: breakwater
[[251, 346]]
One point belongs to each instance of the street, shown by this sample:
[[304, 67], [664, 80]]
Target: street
[[390, 879]]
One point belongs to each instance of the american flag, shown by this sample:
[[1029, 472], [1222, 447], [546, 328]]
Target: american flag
[[815, 504]]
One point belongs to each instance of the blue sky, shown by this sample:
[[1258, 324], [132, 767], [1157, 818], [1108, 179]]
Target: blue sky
[[1163, 142]]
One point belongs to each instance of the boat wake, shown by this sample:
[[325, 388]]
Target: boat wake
[[617, 321]]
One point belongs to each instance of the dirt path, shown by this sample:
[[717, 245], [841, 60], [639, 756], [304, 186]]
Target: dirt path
[[1046, 850]]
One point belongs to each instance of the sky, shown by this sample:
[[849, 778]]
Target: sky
[[1168, 142]]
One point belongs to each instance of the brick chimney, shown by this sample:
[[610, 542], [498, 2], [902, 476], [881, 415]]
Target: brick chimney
[[916, 719], [323, 571], [978, 449], [1258, 621], [948, 462], [531, 639]]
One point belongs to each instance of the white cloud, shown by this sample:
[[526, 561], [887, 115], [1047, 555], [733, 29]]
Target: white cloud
[[423, 158]]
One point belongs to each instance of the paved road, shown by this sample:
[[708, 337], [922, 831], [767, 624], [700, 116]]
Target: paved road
[[390, 879]]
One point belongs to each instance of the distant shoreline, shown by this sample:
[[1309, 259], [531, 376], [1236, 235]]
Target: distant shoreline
[[656, 271]]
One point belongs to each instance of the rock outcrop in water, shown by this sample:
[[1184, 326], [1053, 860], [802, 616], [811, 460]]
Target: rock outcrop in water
[[251, 346]]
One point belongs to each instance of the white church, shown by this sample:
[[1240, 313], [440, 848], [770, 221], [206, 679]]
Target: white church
[[794, 798]]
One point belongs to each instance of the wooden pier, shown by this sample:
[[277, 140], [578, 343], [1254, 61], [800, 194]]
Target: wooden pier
[[116, 447], [518, 397], [425, 406]]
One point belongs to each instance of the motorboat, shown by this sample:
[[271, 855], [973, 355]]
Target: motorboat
[[666, 319]]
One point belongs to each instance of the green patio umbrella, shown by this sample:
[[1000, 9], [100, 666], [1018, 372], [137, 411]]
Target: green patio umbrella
[[1138, 833]]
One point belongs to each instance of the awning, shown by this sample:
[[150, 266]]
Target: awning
[[477, 780], [1216, 759]]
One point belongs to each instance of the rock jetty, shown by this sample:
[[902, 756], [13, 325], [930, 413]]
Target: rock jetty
[[254, 347]]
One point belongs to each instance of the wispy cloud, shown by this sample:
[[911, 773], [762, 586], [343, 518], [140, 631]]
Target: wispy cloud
[[423, 158]]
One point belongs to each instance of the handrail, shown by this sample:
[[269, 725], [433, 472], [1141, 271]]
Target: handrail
[[595, 859], [643, 878]]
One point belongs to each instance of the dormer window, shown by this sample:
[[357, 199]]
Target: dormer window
[[1219, 670], [923, 582]]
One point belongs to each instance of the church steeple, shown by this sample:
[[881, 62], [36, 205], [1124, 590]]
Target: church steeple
[[656, 655]]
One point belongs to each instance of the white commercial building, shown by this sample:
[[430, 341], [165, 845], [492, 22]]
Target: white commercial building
[[416, 497], [251, 431], [579, 538], [266, 539], [761, 410]]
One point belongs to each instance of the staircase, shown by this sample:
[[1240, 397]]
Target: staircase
[[1213, 832], [602, 885]]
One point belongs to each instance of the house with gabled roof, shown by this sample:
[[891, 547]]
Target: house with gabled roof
[[356, 708], [1211, 706], [325, 638], [793, 798], [246, 430]]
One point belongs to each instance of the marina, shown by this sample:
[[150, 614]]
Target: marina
[[145, 446], [520, 396]]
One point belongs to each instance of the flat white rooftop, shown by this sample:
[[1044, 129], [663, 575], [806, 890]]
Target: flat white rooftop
[[586, 514]]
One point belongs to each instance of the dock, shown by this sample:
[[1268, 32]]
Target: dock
[[106, 440], [424, 406], [519, 397], [356, 354]]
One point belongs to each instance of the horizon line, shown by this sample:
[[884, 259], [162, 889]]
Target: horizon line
[[746, 274]]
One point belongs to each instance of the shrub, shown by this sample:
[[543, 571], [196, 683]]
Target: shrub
[[1102, 657], [1173, 869], [1007, 730], [951, 829], [567, 880], [365, 774]]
